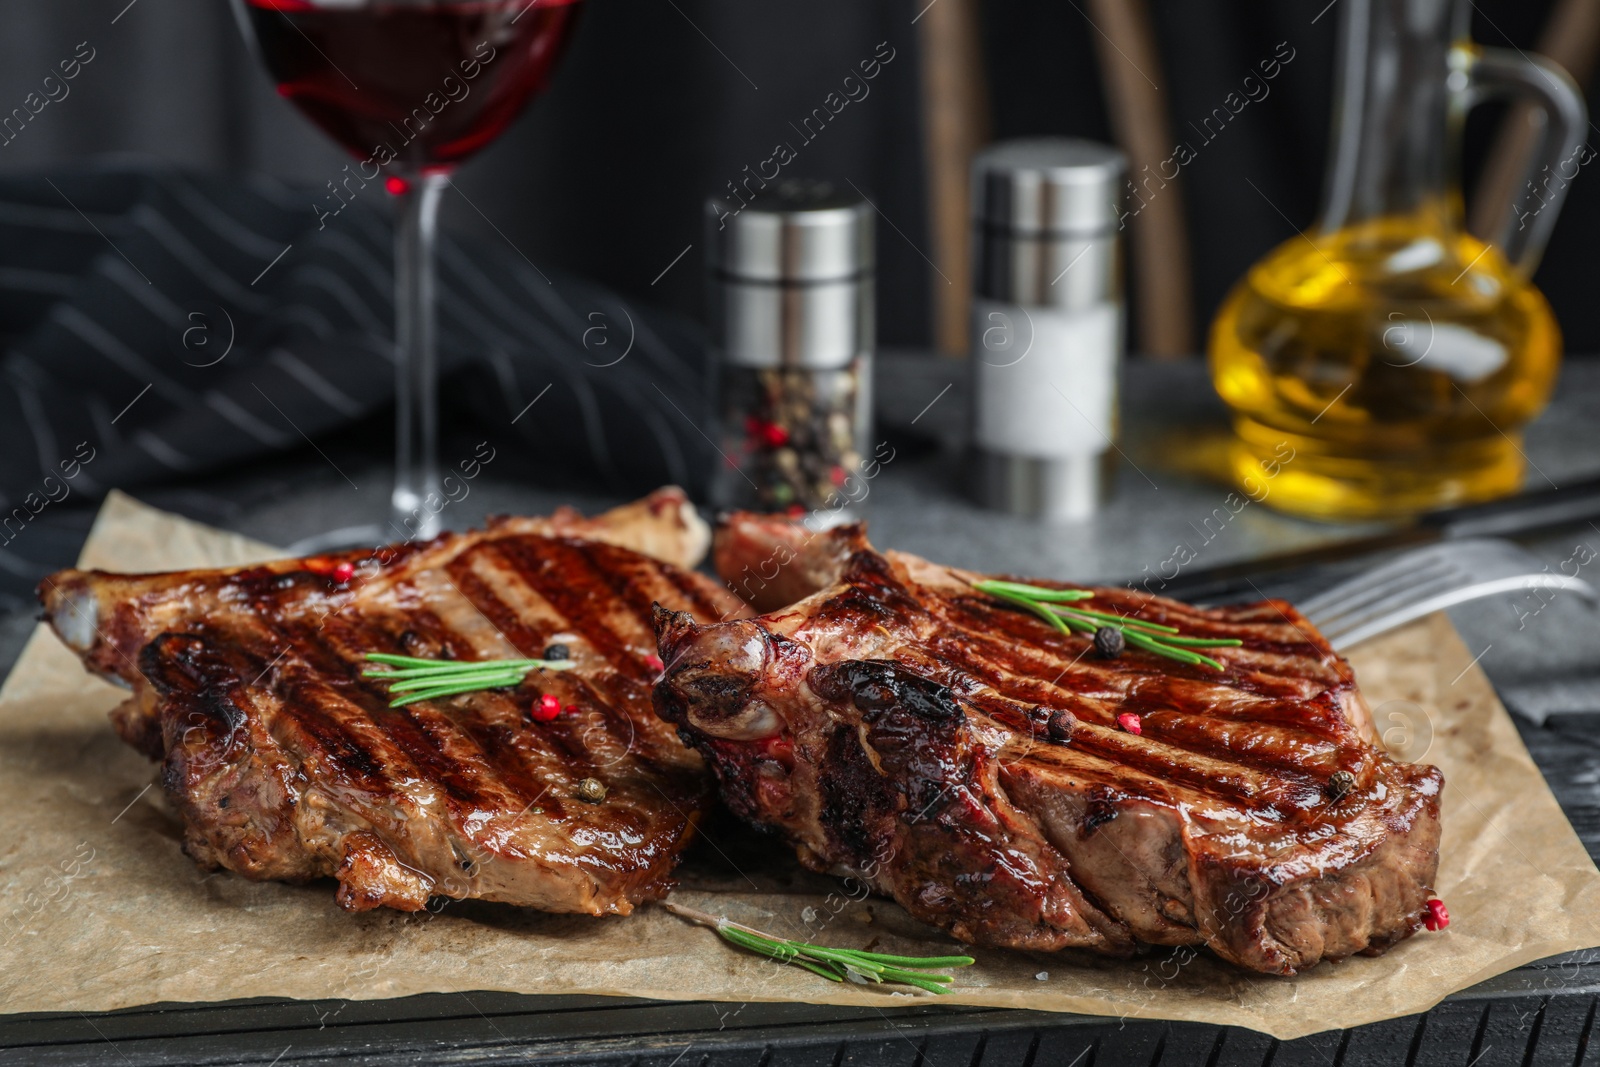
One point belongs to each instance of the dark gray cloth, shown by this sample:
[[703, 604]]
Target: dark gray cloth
[[179, 323]]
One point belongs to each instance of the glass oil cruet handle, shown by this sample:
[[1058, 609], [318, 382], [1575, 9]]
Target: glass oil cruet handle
[[1478, 74]]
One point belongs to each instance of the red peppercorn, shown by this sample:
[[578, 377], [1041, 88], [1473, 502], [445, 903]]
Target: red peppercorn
[[767, 433], [796, 511], [547, 708], [396, 184], [344, 572], [837, 476], [1130, 722], [654, 662], [1438, 916]]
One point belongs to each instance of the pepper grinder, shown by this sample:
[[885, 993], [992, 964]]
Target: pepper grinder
[[792, 320], [1047, 325]]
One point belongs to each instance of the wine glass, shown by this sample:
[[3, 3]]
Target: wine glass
[[410, 88]]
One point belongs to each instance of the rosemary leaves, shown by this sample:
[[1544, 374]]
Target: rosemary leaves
[[1051, 605], [411, 679], [834, 964]]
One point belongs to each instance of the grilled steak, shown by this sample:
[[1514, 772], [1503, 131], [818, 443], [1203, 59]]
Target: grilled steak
[[966, 759], [285, 764]]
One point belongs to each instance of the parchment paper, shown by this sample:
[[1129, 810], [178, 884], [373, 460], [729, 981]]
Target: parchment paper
[[99, 909]]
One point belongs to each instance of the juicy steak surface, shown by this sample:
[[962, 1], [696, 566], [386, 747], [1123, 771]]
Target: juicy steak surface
[[966, 759], [284, 763]]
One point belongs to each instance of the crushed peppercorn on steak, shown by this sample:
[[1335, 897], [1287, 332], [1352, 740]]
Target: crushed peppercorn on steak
[[1015, 786], [285, 763]]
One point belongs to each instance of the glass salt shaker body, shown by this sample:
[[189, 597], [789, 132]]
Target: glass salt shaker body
[[792, 321], [1047, 325]]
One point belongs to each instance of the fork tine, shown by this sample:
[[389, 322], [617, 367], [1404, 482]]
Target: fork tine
[[1358, 633], [1404, 563], [1356, 594], [1365, 597], [1426, 580], [1394, 598]]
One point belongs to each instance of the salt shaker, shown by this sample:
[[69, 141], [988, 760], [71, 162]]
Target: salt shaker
[[792, 321], [1047, 324]]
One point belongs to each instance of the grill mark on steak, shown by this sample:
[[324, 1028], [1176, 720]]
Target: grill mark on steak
[[495, 724], [1296, 730], [969, 650], [420, 633], [694, 594], [604, 696], [325, 726], [391, 742], [871, 598], [1259, 745], [1085, 835], [522, 637], [979, 619], [855, 799], [1283, 751], [330, 695], [193, 661], [445, 739], [568, 577], [452, 747], [526, 629]]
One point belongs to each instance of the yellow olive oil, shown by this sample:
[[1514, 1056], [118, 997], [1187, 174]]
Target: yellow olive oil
[[1396, 360]]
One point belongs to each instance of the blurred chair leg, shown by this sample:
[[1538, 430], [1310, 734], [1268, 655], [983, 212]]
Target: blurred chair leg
[[1130, 70], [955, 110], [1572, 38]]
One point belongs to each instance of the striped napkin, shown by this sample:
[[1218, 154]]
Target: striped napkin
[[159, 324]]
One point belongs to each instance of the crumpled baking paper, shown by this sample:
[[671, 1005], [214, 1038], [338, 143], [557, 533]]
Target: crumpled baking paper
[[99, 909]]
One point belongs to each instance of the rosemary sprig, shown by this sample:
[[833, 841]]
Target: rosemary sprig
[[1050, 605], [834, 964], [411, 679]]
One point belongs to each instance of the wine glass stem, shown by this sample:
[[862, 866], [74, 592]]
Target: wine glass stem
[[416, 501]]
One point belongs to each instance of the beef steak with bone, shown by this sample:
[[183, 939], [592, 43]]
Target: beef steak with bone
[[284, 761], [966, 759]]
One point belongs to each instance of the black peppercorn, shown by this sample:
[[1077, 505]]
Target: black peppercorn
[[1060, 726], [1109, 642], [1340, 783], [557, 651]]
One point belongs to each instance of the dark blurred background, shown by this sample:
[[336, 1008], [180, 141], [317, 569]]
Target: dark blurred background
[[660, 102]]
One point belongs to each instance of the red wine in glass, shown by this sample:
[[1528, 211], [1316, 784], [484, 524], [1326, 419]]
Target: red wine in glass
[[410, 88], [433, 81]]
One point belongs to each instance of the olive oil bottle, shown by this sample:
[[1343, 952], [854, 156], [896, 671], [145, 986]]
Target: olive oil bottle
[[1395, 357]]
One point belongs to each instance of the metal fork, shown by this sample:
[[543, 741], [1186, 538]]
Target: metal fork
[[1425, 580]]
